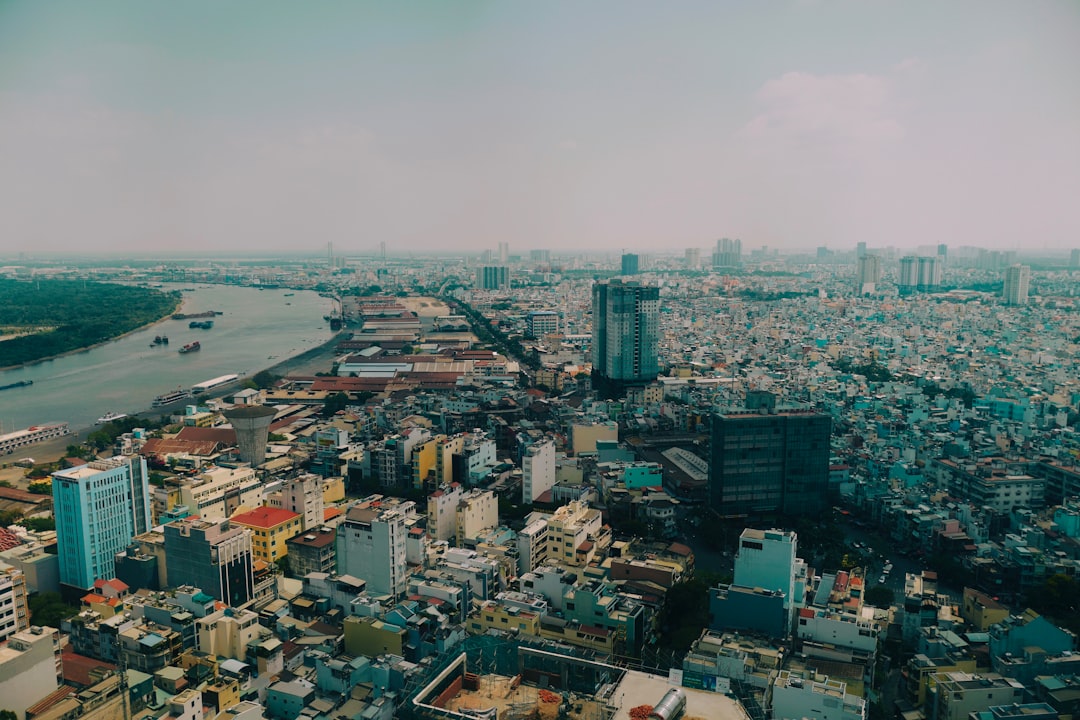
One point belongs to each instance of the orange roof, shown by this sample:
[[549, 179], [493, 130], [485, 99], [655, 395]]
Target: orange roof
[[264, 517], [330, 512]]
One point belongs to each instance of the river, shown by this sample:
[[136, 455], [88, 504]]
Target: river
[[257, 329]]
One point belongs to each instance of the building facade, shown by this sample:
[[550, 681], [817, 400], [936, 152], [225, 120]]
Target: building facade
[[537, 470], [1017, 283], [626, 331], [371, 544], [212, 555], [768, 463], [99, 508]]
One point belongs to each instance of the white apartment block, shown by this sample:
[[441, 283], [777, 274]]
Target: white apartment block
[[574, 534], [477, 512], [14, 611], [218, 492], [371, 543], [28, 669], [227, 632], [795, 697], [442, 511], [852, 639], [955, 695], [303, 495], [532, 542], [550, 582], [537, 470]]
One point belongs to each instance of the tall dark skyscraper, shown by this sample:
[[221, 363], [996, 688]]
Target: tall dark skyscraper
[[769, 461], [626, 330], [630, 264]]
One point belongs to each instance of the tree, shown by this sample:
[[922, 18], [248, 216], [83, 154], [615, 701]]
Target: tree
[[38, 524], [49, 608], [335, 403], [264, 379], [880, 596], [8, 517], [8, 715]]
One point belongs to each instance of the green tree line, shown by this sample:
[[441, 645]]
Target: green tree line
[[80, 314]]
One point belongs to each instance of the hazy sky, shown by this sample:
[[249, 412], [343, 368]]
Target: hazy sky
[[208, 126]]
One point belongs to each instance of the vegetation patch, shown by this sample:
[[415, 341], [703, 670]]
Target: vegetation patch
[[59, 316]]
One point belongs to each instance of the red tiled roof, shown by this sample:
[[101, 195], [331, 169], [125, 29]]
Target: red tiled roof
[[76, 668], [225, 436], [18, 495], [264, 517], [115, 583], [330, 513], [51, 699], [8, 539], [173, 446]]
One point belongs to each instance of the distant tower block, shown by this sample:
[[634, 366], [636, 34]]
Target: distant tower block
[[252, 425]]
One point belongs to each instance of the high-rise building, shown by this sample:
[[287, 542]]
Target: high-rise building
[[504, 253], [99, 508], [542, 257], [867, 274], [1017, 282], [537, 470], [493, 277], [860, 250], [763, 463], [929, 274], [1074, 258], [252, 426], [626, 329], [908, 279], [728, 253], [693, 258], [630, 264], [919, 274], [214, 555], [14, 612], [371, 543], [943, 251]]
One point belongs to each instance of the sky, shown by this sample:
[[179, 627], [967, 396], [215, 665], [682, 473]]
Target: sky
[[152, 126]]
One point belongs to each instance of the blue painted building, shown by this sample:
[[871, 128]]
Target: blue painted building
[[99, 508]]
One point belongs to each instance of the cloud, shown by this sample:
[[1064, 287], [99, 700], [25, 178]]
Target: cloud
[[806, 110]]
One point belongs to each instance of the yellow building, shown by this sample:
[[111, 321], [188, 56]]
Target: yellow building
[[493, 615], [270, 529], [583, 437], [333, 490], [369, 636], [424, 460], [981, 610]]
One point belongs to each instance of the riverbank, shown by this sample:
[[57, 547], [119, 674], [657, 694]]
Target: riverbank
[[121, 336], [312, 360]]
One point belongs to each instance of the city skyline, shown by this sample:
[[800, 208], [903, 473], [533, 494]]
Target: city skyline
[[139, 128]]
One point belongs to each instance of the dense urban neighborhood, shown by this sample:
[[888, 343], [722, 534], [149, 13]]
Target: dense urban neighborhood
[[713, 485]]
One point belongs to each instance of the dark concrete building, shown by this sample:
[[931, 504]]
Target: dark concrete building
[[213, 556], [769, 461]]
